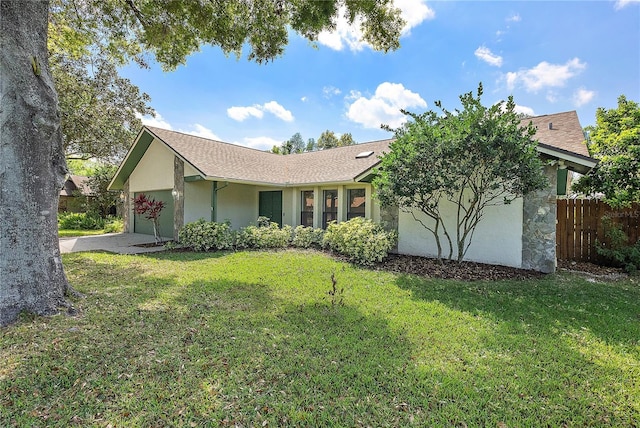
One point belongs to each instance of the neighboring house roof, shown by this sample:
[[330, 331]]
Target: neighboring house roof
[[216, 160], [75, 183]]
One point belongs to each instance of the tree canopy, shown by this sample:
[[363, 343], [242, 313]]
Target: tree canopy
[[327, 140], [615, 142], [32, 153], [473, 158], [99, 110]]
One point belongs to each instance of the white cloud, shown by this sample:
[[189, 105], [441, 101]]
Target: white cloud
[[620, 4], [514, 18], [303, 99], [545, 75], [279, 111], [157, 121], [260, 143], [201, 131], [257, 110], [196, 129], [414, 12], [384, 107], [582, 97], [242, 113], [524, 110], [484, 53], [552, 96], [330, 91]]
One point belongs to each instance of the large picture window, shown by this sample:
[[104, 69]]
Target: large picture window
[[357, 201], [330, 207], [306, 215]]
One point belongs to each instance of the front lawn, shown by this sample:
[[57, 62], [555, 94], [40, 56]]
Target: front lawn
[[255, 339]]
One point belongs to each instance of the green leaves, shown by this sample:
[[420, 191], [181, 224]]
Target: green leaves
[[473, 157], [615, 142], [173, 29]]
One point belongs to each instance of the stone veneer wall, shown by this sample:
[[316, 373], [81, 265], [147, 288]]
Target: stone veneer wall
[[178, 197], [126, 208], [539, 226]]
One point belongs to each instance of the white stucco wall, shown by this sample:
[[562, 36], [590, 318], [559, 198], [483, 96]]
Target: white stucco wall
[[197, 200], [154, 171], [497, 240], [237, 203], [189, 170]]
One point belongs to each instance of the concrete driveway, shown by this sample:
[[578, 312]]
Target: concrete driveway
[[120, 243]]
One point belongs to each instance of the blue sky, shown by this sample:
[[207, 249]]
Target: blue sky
[[551, 56]]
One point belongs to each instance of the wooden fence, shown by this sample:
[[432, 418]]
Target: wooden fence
[[579, 225]]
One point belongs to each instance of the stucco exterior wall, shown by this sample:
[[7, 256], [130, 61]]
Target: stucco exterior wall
[[237, 203], [197, 200], [154, 171], [497, 240]]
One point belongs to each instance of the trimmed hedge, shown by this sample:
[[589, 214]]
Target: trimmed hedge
[[204, 235], [361, 240]]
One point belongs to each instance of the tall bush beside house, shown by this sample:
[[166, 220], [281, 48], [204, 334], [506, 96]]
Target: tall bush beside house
[[151, 210], [361, 240], [474, 158]]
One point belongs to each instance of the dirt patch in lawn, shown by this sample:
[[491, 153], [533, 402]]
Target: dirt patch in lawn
[[471, 271], [466, 271], [592, 269]]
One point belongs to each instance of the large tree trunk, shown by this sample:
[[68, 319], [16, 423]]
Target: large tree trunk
[[32, 166]]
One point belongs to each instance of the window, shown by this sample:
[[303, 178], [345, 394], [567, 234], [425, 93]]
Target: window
[[357, 201], [330, 212], [306, 215]]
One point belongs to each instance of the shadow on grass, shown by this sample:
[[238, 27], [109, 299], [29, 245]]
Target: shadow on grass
[[224, 348], [152, 351]]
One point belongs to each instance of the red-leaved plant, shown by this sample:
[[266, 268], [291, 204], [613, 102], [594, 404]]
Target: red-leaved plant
[[150, 209]]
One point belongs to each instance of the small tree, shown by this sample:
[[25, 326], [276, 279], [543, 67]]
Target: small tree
[[615, 142], [346, 139], [327, 140], [473, 158], [151, 210], [102, 200]]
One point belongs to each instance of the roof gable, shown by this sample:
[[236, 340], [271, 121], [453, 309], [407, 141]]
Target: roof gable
[[216, 160]]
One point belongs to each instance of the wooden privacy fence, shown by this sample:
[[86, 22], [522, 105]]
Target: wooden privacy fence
[[579, 225]]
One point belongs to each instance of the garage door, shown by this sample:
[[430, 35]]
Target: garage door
[[142, 225]]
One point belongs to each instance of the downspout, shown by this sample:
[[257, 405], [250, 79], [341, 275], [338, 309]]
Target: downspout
[[214, 199]]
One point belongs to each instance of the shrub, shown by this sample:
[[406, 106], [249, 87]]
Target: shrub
[[619, 252], [360, 240], [307, 237], [80, 221], [270, 236], [113, 225], [204, 235]]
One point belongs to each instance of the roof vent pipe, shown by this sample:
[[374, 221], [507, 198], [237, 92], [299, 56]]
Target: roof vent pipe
[[550, 125]]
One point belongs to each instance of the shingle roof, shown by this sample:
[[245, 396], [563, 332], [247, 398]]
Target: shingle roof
[[75, 182], [229, 162], [226, 161], [561, 131]]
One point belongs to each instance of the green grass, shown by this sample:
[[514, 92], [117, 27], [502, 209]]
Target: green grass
[[253, 339]]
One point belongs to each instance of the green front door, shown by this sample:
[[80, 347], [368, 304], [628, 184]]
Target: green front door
[[142, 225], [270, 205]]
